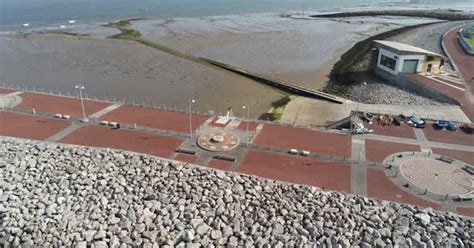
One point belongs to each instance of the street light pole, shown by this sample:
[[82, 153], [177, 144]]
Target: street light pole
[[190, 122], [357, 106], [248, 120], [362, 136], [81, 87]]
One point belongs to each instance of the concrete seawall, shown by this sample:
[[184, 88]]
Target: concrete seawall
[[437, 14]]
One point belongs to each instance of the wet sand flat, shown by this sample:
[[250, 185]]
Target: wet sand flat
[[300, 51], [125, 70], [296, 49]]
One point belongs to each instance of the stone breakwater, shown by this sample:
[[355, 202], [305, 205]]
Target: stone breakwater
[[61, 195]]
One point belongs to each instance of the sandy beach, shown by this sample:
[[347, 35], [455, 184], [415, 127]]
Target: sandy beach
[[298, 50]]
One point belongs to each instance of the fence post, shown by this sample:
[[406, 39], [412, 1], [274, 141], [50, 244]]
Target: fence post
[[135, 125], [34, 111]]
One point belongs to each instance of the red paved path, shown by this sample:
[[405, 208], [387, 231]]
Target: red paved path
[[316, 141], [465, 65], [465, 211], [186, 158], [155, 118], [446, 136], [449, 82], [123, 139], [30, 127], [57, 104], [403, 131], [437, 86], [467, 157], [379, 186], [252, 126], [297, 170], [5, 91], [220, 164], [377, 151], [463, 61]]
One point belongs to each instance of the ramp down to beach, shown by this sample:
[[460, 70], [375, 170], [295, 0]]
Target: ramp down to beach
[[295, 89]]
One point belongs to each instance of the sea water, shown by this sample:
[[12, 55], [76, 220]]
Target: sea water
[[54, 13]]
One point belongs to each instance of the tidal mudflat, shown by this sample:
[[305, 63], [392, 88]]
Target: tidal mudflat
[[297, 49]]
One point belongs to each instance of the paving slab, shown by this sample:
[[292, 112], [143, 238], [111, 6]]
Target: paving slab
[[29, 126], [446, 136], [377, 151], [359, 179], [186, 158], [465, 156], [252, 126], [220, 164], [403, 131], [100, 136], [58, 105], [379, 186], [323, 174], [304, 139], [155, 118], [465, 211]]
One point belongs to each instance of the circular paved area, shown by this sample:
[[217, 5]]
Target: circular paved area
[[437, 176], [218, 141]]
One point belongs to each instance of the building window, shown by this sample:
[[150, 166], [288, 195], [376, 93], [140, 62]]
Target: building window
[[430, 58], [388, 62]]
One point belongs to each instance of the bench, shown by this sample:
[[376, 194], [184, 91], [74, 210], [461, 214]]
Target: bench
[[186, 151], [224, 157], [468, 169], [293, 151], [445, 159]]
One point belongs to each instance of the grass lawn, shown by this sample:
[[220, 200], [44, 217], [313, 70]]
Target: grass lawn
[[470, 41]]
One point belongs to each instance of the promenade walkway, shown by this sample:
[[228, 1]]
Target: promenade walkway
[[333, 163]]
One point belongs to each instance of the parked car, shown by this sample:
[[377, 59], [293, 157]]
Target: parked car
[[416, 121], [368, 117], [467, 128], [400, 119], [443, 124]]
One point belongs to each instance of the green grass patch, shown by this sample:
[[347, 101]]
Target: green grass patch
[[470, 41], [279, 106]]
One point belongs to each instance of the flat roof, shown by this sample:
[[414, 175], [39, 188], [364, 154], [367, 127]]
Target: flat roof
[[400, 47]]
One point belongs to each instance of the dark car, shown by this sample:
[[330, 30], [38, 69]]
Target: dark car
[[467, 128], [416, 121], [442, 124], [400, 120]]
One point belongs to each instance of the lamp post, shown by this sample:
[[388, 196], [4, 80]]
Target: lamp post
[[191, 101], [357, 107], [245, 107], [80, 88], [362, 136]]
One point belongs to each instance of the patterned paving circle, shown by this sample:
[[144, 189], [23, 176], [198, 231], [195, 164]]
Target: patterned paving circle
[[437, 176], [218, 141]]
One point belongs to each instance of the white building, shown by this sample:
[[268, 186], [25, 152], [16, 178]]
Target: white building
[[394, 58]]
